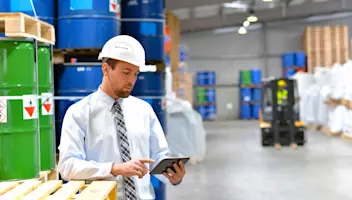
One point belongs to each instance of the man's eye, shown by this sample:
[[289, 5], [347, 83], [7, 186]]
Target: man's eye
[[126, 72]]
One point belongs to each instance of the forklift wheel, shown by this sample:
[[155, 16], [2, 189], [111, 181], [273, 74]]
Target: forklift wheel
[[265, 143], [300, 143]]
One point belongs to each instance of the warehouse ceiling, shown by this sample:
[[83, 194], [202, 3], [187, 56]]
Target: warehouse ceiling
[[198, 15]]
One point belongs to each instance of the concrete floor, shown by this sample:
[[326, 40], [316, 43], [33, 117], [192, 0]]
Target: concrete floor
[[237, 167]]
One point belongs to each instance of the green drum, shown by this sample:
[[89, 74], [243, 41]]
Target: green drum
[[19, 135], [201, 95], [46, 106], [246, 77]]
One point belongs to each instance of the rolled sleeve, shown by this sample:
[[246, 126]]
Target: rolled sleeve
[[72, 163]]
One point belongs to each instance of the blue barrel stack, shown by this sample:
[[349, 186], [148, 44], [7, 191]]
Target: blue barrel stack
[[206, 78], [293, 62], [250, 93], [145, 22], [245, 111], [86, 24], [207, 81], [74, 80]]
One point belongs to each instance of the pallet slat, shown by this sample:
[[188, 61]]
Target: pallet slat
[[68, 191], [99, 190], [7, 186], [21, 190], [43, 190]]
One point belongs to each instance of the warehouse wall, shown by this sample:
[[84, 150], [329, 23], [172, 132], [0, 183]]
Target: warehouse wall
[[228, 53]]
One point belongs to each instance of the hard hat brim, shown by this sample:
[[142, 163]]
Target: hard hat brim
[[138, 64]]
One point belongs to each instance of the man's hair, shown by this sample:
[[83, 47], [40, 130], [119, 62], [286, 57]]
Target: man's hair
[[110, 62]]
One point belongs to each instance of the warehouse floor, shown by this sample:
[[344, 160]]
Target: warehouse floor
[[238, 168]]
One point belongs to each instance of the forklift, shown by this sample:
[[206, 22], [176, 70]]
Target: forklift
[[279, 114]]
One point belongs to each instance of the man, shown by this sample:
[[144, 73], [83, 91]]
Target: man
[[111, 135], [281, 92]]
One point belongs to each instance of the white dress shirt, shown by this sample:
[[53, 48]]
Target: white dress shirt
[[90, 141]]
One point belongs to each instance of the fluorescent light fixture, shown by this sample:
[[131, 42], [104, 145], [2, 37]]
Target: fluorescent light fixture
[[267, 0], [246, 23], [242, 30], [252, 18], [235, 4]]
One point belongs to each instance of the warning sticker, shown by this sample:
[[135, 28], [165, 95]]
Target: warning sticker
[[47, 104], [115, 7], [3, 111], [30, 107]]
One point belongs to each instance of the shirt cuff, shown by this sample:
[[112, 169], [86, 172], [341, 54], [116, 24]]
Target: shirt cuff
[[107, 167]]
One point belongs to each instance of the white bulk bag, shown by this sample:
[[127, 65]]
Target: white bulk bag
[[337, 82], [186, 135], [336, 119]]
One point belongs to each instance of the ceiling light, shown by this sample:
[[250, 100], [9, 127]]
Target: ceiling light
[[267, 0], [236, 4], [252, 18], [246, 23], [242, 30]]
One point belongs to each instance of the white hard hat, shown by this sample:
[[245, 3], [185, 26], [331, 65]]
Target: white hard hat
[[124, 48]]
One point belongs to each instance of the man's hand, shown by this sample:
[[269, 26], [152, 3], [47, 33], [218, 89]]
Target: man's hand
[[131, 168], [177, 177]]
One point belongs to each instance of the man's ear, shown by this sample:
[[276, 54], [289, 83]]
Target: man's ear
[[105, 69]]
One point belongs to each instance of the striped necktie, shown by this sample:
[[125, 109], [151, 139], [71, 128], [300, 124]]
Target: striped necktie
[[130, 190]]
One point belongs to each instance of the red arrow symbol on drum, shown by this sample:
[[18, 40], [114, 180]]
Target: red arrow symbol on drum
[[113, 6], [47, 107], [30, 109]]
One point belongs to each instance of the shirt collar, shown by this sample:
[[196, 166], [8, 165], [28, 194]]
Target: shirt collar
[[107, 100]]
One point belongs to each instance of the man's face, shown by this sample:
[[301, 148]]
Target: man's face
[[122, 78]]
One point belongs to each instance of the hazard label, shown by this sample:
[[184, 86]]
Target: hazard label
[[3, 111], [30, 107], [115, 7], [47, 103]]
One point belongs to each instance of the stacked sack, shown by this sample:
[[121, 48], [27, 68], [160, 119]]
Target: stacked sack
[[304, 80], [314, 110], [347, 95]]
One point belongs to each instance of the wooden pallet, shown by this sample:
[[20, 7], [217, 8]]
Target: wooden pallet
[[316, 39], [333, 102], [49, 175], [346, 137], [314, 128], [339, 56], [321, 59], [56, 190], [329, 133], [25, 26], [339, 37]]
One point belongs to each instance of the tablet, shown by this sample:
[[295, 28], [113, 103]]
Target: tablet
[[167, 163]]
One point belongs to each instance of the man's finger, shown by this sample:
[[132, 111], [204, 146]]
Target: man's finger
[[137, 167], [166, 175], [139, 174], [170, 171], [146, 160], [139, 163], [177, 168], [182, 166]]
